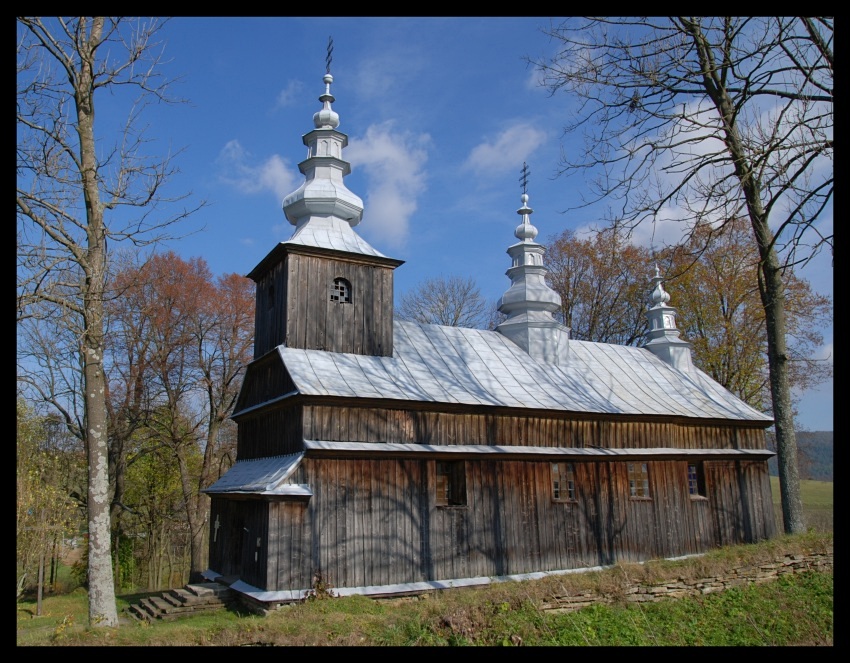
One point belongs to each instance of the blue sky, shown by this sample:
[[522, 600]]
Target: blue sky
[[441, 113]]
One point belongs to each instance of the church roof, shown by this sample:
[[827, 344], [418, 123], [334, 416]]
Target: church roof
[[325, 234], [454, 365], [262, 476]]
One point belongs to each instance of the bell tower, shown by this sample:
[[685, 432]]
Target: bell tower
[[325, 288]]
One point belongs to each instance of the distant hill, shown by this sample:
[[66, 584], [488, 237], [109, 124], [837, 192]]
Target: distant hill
[[814, 455]]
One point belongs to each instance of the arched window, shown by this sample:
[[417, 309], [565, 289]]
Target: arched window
[[341, 291]]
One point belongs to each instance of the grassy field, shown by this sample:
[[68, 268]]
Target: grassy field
[[817, 504], [796, 610]]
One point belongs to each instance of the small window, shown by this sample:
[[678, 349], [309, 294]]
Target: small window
[[638, 480], [563, 482], [451, 483], [696, 480], [341, 291], [271, 296]]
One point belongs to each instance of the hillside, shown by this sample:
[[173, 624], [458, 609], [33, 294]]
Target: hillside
[[814, 452]]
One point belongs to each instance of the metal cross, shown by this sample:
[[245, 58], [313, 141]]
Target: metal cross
[[216, 526], [523, 180], [330, 54]]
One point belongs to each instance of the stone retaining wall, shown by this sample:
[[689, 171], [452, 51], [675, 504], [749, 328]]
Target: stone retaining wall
[[680, 588]]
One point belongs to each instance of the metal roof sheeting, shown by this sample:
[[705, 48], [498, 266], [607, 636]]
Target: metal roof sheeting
[[261, 476], [332, 234], [437, 364]]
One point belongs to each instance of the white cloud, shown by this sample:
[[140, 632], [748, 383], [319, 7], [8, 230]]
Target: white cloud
[[375, 76], [237, 170], [668, 229], [394, 163], [383, 75], [288, 95], [534, 80], [507, 151]]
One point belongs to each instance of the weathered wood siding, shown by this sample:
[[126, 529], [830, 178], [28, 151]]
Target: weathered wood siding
[[375, 521], [280, 428], [265, 379], [270, 309], [739, 483], [271, 432], [375, 424], [311, 320]]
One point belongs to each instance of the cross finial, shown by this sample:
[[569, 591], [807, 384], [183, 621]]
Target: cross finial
[[523, 180], [330, 54]]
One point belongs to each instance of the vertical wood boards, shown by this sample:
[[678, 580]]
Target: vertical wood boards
[[315, 321], [375, 522], [270, 310], [274, 432], [353, 423]]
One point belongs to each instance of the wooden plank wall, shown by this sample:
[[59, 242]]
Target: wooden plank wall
[[315, 322], [360, 424], [272, 432], [265, 379], [375, 522], [270, 310]]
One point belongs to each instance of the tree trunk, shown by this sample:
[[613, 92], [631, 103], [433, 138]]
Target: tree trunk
[[102, 608], [783, 414], [771, 288], [195, 519], [41, 567], [40, 582]]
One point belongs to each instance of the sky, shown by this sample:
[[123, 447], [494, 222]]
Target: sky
[[441, 114]]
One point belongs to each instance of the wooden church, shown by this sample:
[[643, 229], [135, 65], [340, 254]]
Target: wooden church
[[387, 457]]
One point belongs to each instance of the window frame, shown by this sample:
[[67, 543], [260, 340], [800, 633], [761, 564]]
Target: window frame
[[567, 493], [696, 481], [341, 291], [450, 479], [637, 474]]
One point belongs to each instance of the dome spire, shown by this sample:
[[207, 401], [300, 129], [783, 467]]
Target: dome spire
[[327, 118], [323, 210], [525, 231], [330, 56], [529, 302], [663, 336]]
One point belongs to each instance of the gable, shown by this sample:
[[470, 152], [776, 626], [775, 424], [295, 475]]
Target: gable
[[265, 380]]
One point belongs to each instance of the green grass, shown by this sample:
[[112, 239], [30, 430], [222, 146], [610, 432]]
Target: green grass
[[816, 494], [817, 499], [793, 610]]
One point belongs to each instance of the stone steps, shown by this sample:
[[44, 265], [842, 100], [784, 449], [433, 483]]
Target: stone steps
[[174, 603]]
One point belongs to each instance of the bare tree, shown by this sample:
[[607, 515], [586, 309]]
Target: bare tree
[[77, 188], [224, 342], [714, 284], [711, 119], [602, 282], [192, 335], [453, 301]]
